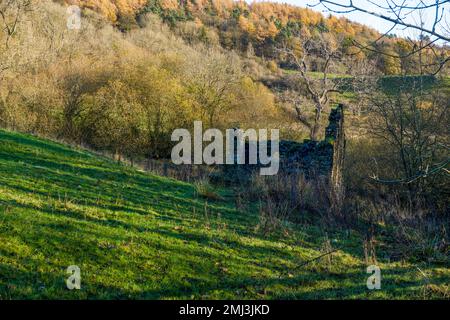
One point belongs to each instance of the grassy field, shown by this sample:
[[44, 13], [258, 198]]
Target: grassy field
[[135, 235]]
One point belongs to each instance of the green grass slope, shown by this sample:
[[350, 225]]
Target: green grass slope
[[136, 235]]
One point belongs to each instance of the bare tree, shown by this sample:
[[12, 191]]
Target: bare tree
[[212, 81], [398, 11], [318, 85], [413, 123], [401, 13], [11, 13]]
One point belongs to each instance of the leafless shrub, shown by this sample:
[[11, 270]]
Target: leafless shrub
[[327, 249], [287, 198], [204, 189], [406, 234], [273, 216], [412, 126], [418, 236]]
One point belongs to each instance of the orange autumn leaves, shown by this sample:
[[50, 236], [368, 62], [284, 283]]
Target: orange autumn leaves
[[111, 9], [260, 20]]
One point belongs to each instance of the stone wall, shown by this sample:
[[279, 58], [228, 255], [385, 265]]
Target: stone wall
[[314, 158], [311, 158]]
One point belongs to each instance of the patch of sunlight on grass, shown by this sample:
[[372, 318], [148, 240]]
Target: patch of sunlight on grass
[[137, 235]]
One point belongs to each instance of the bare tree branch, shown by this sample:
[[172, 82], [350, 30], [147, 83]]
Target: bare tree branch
[[396, 9]]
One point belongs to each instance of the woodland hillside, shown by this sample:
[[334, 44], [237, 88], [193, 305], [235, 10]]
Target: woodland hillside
[[261, 27]]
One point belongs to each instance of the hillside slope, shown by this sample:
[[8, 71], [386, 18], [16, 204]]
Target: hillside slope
[[260, 29], [135, 235]]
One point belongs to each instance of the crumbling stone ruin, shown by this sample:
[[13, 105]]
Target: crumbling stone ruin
[[317, 157], [312, 158]]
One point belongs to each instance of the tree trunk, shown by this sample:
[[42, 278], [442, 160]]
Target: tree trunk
[[315, 128], [337, 136]]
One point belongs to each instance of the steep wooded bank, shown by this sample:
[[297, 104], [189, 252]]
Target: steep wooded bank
[[116, 91], [261, 28]]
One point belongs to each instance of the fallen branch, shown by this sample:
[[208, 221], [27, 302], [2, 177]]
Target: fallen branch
[[316, 258]]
